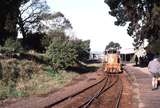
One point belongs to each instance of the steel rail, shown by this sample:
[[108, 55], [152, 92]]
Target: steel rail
[[75, 94], [89, 101], [119, 95], [100, 92]]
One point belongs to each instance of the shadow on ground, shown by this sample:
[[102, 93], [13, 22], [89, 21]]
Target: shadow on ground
[[141, 65], [81, 69]]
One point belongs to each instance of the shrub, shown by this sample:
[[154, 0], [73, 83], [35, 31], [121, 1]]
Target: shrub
[[26, 78], [13, 70], [50, 71], [62, 54], [14, 45], [10, 72], [43, 58], [5, 50]]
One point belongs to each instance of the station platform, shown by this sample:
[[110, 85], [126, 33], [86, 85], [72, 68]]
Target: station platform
[[143, 96]]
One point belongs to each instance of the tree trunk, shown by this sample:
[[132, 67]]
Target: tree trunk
[[21, 25], [8, 19]]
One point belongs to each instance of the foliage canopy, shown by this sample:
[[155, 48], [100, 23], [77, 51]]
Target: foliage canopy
[[113, 45], [143, 17], [62, 54]]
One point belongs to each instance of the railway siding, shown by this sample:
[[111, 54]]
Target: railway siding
[[143, 96]]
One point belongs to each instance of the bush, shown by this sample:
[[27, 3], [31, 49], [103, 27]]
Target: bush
[[26, 78], [62, 54], [14, 45], [50, 71], [10, 90], [10, 72], [13, 70], [5, 50], [43, 58]]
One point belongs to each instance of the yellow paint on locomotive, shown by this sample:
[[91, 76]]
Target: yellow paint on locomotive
[[112, 63]]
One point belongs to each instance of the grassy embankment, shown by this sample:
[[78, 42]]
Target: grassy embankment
[[20, 78], [25, 78]]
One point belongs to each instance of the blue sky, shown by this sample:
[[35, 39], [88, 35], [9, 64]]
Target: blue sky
[[90, 20]]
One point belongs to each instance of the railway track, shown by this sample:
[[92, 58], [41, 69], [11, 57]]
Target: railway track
[[114, 80], [75, 94], [81, 99]]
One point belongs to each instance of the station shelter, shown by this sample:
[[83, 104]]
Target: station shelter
[[127, 54]]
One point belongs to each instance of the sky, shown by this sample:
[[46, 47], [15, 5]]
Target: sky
[[90, 20]]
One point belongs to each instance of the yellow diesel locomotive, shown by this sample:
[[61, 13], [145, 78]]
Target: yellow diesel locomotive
[[112, 61]]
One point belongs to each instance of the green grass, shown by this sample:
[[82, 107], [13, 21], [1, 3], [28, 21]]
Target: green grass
[[46, 82], [32, 78], [43, 80], [9, 91]]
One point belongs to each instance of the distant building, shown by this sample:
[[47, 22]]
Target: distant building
[[127, 54]]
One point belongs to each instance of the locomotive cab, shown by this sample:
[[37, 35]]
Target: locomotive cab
[[112, 61]]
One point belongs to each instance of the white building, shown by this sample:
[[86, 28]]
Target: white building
[[127, 54]]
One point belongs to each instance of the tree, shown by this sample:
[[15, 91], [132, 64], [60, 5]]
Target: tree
[[52, 36], [33, 41], [154, 47], [113, 45], [143, 17], [31, 15], [82, 48], [54, 26], [35, 20], [8, 20], [55, 21]]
